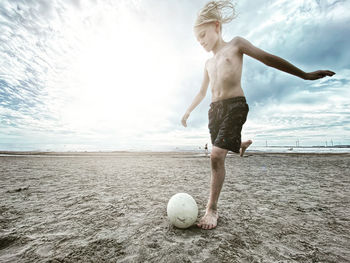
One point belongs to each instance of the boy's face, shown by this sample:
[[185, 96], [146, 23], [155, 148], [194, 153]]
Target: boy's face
[[207, 35]]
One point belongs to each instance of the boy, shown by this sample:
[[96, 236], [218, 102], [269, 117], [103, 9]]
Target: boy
[[228, 110]]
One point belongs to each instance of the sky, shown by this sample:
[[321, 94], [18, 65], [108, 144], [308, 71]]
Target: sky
[[119, 75]]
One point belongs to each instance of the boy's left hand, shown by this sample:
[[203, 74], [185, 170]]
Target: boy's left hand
[[184, 119], [318, 74]]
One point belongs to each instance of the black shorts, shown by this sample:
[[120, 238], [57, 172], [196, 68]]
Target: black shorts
[[226, 118]]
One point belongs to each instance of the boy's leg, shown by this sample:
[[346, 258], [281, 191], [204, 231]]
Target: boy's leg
[[244, 146], [217, 158]]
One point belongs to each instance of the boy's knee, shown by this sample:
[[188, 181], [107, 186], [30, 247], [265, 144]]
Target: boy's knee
[[216, 157]]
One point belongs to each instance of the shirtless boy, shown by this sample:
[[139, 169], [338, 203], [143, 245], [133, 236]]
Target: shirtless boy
[[228, 110]]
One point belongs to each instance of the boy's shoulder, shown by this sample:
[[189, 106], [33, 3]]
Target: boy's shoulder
[[239, 43], [236, 40]]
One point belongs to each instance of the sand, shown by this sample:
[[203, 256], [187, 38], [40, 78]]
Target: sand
[[99, 207]]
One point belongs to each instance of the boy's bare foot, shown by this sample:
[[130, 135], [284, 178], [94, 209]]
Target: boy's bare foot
[[209, 220], [244, 146]]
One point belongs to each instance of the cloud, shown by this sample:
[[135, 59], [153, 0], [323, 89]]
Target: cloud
[[62, 62]]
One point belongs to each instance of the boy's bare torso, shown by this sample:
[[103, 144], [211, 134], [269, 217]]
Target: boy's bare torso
[[225, 71]]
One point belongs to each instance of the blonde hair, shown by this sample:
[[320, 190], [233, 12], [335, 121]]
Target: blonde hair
[[221, 11]]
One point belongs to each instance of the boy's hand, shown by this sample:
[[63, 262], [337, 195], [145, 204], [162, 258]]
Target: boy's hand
[[318, 74], [184, 119]]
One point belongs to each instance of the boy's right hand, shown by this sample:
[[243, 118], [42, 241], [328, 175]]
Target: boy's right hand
[[184, 119], [318, 74]]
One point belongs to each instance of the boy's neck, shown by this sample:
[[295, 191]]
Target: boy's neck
[[219, 45]]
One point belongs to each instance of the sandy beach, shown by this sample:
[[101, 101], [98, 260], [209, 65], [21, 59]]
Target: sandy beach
[[111, 207]]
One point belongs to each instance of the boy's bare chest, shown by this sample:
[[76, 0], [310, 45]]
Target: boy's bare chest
[[225, 64]]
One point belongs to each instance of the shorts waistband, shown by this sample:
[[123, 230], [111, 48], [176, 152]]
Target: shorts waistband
[[229, 100]]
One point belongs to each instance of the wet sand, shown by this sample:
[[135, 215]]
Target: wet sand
[[111, 207]]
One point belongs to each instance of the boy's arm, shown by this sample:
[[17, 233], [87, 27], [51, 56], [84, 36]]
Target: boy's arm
[[199, 97], [268, 59]]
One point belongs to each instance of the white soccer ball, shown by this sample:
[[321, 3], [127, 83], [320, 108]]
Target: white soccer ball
[[182, 210]]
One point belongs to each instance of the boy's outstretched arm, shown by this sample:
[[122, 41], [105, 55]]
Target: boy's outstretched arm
[[199, 97], [279, 63]]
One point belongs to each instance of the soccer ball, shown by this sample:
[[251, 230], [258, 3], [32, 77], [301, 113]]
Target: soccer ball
[[182, 210]]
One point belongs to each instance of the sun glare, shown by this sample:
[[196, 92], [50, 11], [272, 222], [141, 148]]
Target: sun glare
[[125, 74]]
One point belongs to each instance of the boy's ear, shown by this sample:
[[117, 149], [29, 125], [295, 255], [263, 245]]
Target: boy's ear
[[217, 26]]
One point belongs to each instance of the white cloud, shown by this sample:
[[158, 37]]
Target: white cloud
[[62, 64]]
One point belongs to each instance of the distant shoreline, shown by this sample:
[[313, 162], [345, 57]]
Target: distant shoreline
[[88, 153], [303, 147], [156, 153]]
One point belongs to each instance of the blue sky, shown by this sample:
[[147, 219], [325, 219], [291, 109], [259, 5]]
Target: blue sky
[[118, 75]]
